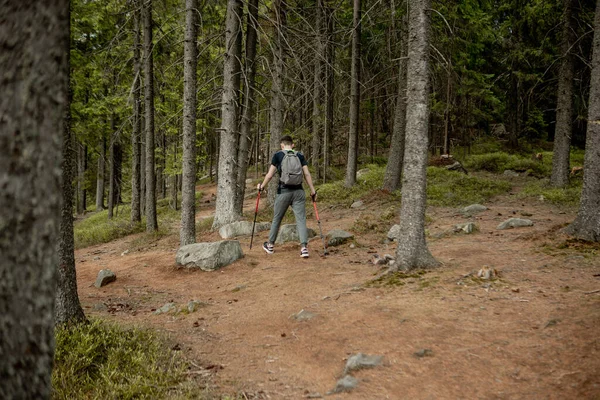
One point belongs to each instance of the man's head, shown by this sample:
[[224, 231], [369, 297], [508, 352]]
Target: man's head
[[287, 141]]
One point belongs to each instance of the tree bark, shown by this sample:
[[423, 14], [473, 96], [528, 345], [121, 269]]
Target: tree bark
[[136, 132], [276, 112], [248, 108], [67, 308], [587, 223], [100, 175], [225, 211], [317, 109], [393, 170], [151, 221], [412, 251], [33, 82], [564, 103], [81, 167], [329, 93], [354, 100], [112, 168], [188, 196]]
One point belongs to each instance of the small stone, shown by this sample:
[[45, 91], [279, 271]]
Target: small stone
[[467, 228], [487, 273], [168, 307], [352, 246], [100, 307], [125, 253], [394, 232], [514, 223], [516, 290], [357, 204], [346, 384], [473, 209], [338, 237], [360, 361], [303, 315], [194, 305], [526, 214], [105, 276], [424, 353]]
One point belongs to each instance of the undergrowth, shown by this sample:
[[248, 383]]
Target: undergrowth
[[100, 360], [568, 196], [498, 162], [449, 188]]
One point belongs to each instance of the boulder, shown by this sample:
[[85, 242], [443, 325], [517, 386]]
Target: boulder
[[473, 209], [209, 256], [105, 276], [394, 232], [357, 204], [168, 307], [468, 227], [242, 228], [346, 384], [338, 237], [289, 233], [360, 361], [514, 223]]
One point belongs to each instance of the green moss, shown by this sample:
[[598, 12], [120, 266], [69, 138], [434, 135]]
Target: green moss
[[101, 360], [336, 192]]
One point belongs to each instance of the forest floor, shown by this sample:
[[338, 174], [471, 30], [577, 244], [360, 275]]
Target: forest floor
[[530, 334]]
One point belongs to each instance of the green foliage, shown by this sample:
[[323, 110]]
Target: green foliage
[[450, 188], [337, 192], [498, 162], [97, 228], [100, 360], [568, 196]]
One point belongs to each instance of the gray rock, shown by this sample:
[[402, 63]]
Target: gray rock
[[194, 305], [338, 237], [468, 227], [209, 256], [346, 384], [394, 232], [168, 307], [510, 173], [361, 172], [242, 228], [473, 209], [514, 223], [303, 315], [289, 233], [105, 276], [100, 307], [424, 353], [357, 204], [360, 361]]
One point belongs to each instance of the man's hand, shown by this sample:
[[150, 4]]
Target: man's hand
[[313, 195], [259, 187]]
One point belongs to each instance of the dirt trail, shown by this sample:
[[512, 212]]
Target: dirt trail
[[533, 333]]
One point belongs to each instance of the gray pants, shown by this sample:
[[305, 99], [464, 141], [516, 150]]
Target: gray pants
[[296, 199]]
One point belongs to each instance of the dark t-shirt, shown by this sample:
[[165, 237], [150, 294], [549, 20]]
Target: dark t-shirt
[[276, 162]]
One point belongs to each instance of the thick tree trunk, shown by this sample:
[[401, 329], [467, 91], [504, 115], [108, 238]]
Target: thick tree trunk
[[67, 308], [317, 109], [587, 223], [151, 222], [187, 234], [112, 169], [100, 175], [354, 100], [136, 132], [277, 100], [248, 109], [81, 167], [225, 211], [564, 103], [393, 170], [33, 80], [329, 93], [143, 173], [412, 251]]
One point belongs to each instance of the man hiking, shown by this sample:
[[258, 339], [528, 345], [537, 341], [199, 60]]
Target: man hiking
[[291, 167]]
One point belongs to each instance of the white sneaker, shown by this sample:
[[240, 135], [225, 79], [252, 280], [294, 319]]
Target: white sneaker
[[304, 252]]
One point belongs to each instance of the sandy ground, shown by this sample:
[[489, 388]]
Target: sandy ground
[[533, 333]]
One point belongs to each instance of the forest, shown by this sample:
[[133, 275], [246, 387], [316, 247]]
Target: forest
[[454, 231]]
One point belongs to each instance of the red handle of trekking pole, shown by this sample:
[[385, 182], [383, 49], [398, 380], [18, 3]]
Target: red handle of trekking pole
[[315, 207]]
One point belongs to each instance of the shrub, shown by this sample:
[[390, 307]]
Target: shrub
[[498, 162], [450, 188], [568, 196]]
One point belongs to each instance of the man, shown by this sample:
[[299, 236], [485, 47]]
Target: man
[[291, 167]]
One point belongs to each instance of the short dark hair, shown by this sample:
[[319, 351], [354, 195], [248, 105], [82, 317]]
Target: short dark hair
[[287, 140]]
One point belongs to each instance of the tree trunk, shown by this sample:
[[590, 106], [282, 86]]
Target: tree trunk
[[188, 195], [412, 251], [112, 168], [329, 93], [151, 222], [136, 132], [587, 223], [354, 100], [225, 211], [100, 175], [33, 76], [564, 103], [67, 308], [248, 109], [316, 111], [393, 170], [276, 112], [81, 167]]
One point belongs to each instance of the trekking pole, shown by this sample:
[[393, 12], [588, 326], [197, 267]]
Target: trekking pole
[[325, 251], [255, 214]]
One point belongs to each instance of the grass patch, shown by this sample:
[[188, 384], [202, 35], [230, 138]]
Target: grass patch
[[498, 162], [449, 189], [568, 196], [100, 360], [204, 225], [375, 223], [336, 192], [97, 228]]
